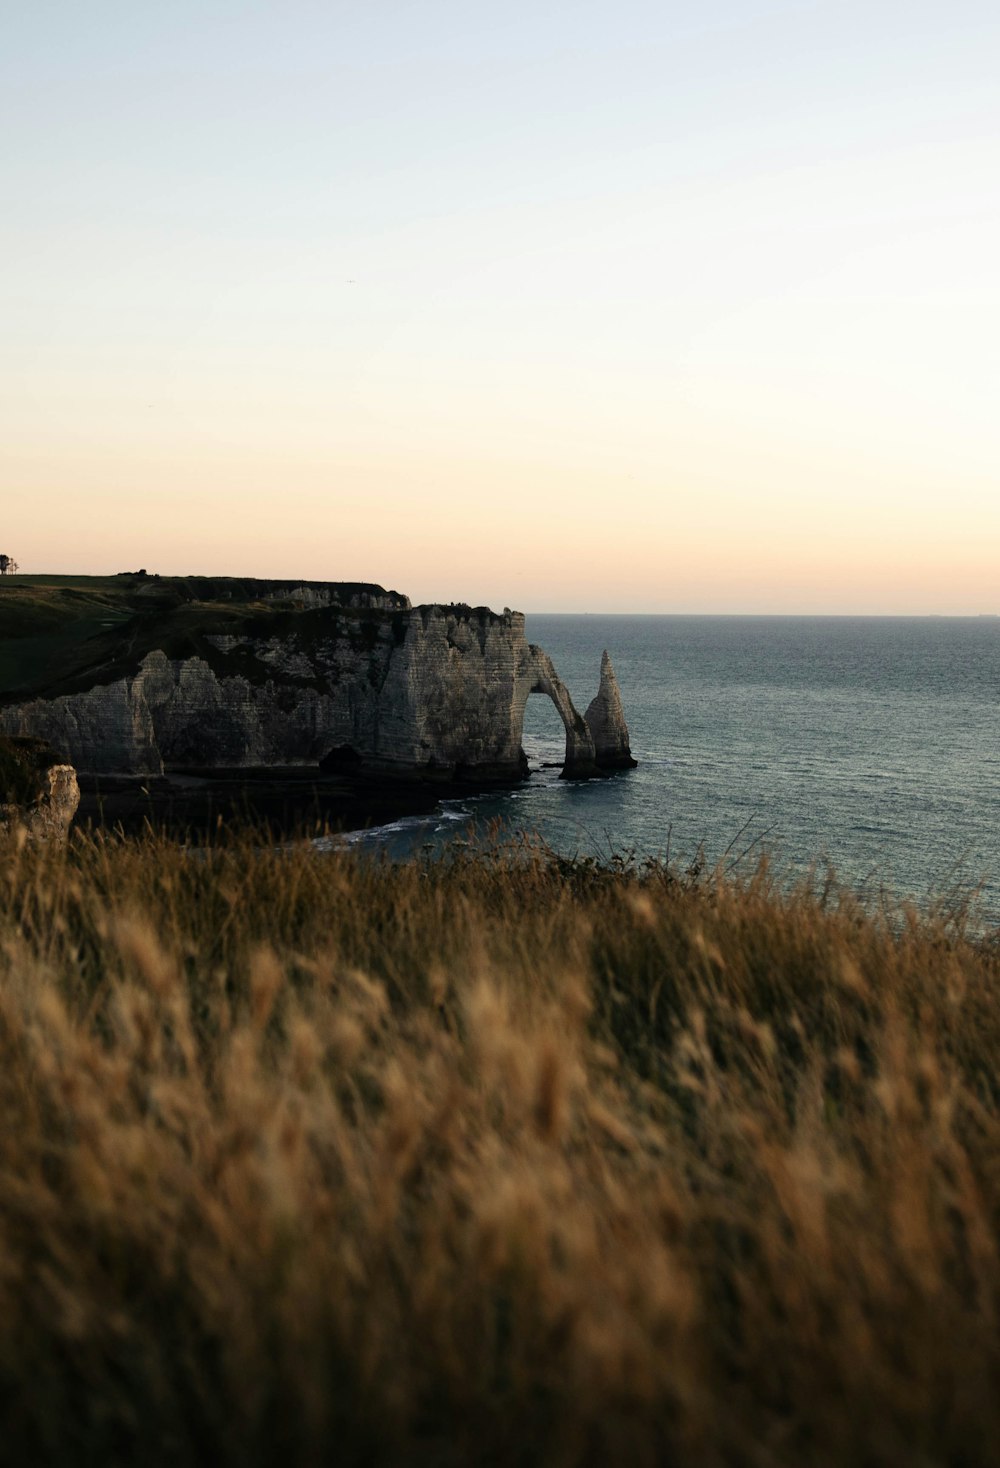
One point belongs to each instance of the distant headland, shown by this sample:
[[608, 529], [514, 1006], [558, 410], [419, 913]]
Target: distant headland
[[140, 674]]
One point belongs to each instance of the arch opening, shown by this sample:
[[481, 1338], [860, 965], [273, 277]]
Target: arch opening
[[578, 760], [543, 732]]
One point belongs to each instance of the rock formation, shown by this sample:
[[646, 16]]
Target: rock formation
[[606, 721], [359, 598], [431, 691], [38, 792]]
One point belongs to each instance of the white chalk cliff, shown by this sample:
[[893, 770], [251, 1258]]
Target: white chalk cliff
[[431, 691]]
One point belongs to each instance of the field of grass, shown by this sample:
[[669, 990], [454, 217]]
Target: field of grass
[[500, 1160]]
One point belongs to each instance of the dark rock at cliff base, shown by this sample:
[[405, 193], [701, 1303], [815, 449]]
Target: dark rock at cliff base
[[275, 804], [344, 757], [39, 793]]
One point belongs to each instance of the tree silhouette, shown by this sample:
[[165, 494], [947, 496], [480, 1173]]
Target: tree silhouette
[[8, 566]]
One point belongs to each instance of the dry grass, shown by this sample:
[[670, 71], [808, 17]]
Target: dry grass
[[307, 1160]]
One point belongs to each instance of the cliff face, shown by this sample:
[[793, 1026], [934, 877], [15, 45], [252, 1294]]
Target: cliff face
[[434, 691], [38, 792]]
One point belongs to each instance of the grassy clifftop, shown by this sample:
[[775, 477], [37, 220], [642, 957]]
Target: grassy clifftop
[[502, 1161], [60, 634]]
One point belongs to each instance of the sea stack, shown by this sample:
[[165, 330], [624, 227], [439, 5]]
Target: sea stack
[[605, 718]]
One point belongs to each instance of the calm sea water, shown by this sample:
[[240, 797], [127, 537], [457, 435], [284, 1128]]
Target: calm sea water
[[870, 742]]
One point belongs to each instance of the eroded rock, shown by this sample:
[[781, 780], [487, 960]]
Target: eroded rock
[[39, 793], [606, 721]]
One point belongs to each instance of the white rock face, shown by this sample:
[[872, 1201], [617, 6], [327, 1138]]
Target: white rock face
[[436, 691], [606, 721], [329, 596], [107, 728]]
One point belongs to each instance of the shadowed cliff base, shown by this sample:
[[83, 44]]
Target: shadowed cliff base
[[276, 802]]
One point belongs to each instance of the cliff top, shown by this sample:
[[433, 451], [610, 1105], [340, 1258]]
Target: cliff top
[[59, 634]]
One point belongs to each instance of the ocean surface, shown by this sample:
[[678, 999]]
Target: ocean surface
[[867, 742]]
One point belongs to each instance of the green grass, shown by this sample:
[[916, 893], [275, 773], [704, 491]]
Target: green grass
[[502, 1160]]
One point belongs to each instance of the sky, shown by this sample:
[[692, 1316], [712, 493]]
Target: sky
[[567, 307]]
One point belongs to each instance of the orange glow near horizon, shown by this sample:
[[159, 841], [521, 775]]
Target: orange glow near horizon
[[708, 321]]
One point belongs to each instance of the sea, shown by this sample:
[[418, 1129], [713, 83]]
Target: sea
[[868, 745]]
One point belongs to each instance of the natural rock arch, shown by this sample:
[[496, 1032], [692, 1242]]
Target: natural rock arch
[[541, 677]]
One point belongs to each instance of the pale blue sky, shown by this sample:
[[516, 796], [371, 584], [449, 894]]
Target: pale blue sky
[[706, 297]]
